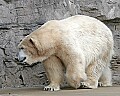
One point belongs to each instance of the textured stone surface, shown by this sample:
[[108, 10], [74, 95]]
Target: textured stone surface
[[18, 18]]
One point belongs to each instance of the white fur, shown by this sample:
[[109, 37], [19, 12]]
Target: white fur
[[81, 44]]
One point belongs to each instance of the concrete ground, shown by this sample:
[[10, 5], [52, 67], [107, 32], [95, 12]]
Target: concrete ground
[[101, 91]]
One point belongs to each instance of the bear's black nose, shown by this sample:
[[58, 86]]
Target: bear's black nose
[[22, 59]]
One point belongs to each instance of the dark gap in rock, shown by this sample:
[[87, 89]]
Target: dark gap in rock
[[115, 20], [43, 83], [21, 78], [117, 35], [93, 9], [8, 61], [42, 73], [41, 76], [4, 28], [4, 51], [41, 22], [18, 7], [7, 1], [25, 34]]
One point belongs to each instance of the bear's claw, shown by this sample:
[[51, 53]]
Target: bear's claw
[[51, 88], [100, 84], [84, 85]]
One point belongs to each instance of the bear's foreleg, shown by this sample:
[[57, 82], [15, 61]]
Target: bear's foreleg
[[75, 71], [55, 74], [93, 71]]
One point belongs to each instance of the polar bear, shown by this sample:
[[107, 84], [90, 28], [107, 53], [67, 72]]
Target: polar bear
[[80, 45]]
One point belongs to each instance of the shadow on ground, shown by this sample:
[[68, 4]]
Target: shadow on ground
[[38, 91]]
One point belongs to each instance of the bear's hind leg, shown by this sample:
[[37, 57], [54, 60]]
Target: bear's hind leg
[[55, 73], [106, 77]]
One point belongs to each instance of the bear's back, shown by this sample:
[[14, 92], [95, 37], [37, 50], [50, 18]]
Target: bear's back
[[85, 25]]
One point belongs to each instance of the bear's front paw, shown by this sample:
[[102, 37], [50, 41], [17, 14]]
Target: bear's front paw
[[85, 85], [51, 87]]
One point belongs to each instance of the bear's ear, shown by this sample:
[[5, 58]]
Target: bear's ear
[[34, 42]]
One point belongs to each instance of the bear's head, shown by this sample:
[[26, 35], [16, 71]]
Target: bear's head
[[36, 47]]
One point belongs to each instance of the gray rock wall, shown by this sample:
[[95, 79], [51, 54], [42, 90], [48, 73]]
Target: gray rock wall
[[18, 18]]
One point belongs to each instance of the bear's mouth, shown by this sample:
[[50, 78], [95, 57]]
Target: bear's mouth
[[25, 64]]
